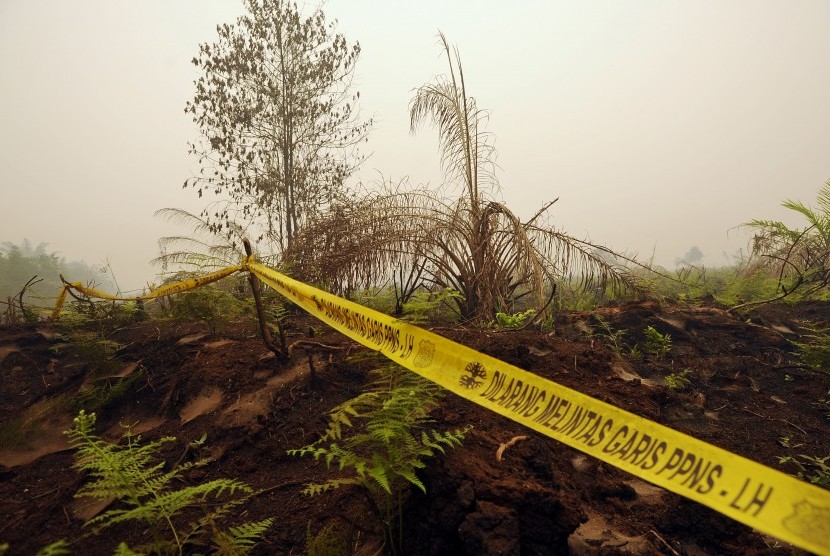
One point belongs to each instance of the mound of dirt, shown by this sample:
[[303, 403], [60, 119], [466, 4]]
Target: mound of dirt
[[744, 391]]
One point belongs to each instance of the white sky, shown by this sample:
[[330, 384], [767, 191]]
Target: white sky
[[659, 124]]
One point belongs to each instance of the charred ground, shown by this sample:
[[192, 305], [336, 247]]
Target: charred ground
[[745, 392]]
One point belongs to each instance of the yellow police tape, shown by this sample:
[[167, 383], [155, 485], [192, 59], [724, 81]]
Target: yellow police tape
[[763, 498], [168, 289]]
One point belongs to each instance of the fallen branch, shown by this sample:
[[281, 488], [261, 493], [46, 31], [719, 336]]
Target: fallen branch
[[666, 544], [310, 344], [508, 444]]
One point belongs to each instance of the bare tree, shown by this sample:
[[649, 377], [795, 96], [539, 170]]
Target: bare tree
[[279, 122]]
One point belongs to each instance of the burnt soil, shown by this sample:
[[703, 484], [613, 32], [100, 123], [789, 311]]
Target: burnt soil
[[747, 393]]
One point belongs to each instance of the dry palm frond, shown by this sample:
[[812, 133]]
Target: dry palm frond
[[200, 250], [492, 261], [799, 257], [472, 244], [466, 148]]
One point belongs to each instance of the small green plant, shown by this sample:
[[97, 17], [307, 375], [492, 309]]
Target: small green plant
[[333, 539], [92, 347], [786, 442], [430, 306], [679, 381], [812, 469], [656, 343], [99, 394], [516, 320], [211, 304], [145, 494], [105, 383], [635, 353], [614, 337], [815, 351], [824, 404], [388, 444], [379, 299], [57, 548]]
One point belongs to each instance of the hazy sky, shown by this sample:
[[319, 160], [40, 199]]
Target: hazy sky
[[660, 125]]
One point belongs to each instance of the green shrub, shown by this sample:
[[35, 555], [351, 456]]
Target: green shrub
[[211, 304], [431, 306], [92, 347], [751, 286], [333, 539], [516, 320], [815, 351]]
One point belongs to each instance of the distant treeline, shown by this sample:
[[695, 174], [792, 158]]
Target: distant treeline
[[19, 263]]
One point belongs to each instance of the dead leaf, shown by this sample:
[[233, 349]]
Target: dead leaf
[[190, 339]]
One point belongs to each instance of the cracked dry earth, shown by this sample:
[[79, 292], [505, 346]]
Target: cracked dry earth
[[746, 394]]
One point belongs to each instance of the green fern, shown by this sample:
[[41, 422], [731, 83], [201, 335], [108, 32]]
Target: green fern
[[100, 394], [515, 320], [124, 550], [428, 306], [128, 473], [240, 540], [815, 351], [388, 441], [57, 548], [390, 444]]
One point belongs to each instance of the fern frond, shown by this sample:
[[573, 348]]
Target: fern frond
[[237, 541], [129, 474], [123, 550], [57, 548], [409, 475], [390, 443], [167, 504], [117, 472], [379, 473], [426, 441], [313, 489]]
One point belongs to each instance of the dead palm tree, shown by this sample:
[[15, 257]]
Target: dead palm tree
[[473, 243]]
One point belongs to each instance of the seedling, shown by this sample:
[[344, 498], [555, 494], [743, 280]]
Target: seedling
[[812, 469], [679, 381], [614, 336], [824, 403], [656, 343]]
